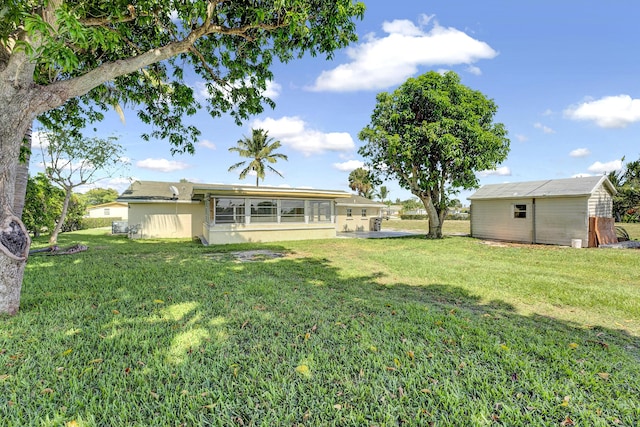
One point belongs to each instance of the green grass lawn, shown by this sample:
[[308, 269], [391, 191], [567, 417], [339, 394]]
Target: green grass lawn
[[463, 227], [343, 332]]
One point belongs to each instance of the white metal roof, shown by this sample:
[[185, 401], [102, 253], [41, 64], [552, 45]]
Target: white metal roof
[[569, 187]]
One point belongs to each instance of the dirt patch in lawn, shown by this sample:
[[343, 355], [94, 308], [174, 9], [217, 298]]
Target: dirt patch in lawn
[[247, 256]]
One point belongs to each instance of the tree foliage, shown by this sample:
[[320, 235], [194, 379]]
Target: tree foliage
[[259, 147], [626, 203], [68, 61], [43, 206], [362, 181], [72, 161], [98, 196], [432, 134]]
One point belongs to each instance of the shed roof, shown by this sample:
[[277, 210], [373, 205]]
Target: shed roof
[[569, 187]]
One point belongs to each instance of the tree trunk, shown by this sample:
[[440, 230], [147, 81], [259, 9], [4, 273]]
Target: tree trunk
[[53, 239], [14, 240], [435, 217], [22, 177]]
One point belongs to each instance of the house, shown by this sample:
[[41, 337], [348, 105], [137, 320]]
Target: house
[[552, 212], [357, 213], [220, 213], [115, 210]]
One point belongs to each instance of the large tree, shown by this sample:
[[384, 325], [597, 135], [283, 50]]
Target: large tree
[[68, 61], [432, 134], [71, 160], [260, 149]]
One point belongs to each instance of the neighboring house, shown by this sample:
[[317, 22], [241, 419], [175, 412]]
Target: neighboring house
[[357, 213], [553, 212], [109, 210], [230, 213]]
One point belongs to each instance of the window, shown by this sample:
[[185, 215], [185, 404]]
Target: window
[[106, 211], [292, 211], [349, 214], [364, 213], [519, 211], [264, 210], [229, 211], [319, 211]]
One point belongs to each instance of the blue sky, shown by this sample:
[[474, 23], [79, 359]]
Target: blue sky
[[565, 76]]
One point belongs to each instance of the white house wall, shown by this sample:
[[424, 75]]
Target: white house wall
[[166, 220], [109, 212]]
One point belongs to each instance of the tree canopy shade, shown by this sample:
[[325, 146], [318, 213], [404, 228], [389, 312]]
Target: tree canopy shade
[[260, 149], [432, 134], [68, 61]]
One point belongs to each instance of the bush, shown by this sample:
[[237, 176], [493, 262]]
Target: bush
[[97, 222], [414, 217]]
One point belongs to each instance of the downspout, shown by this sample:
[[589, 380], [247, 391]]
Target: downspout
[[533, 217]]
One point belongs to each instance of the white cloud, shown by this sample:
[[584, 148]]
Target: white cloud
[[599, 168], [501, 171], [580, 152], [294, 133], [273, 90], [162, 165], [521, 138], [207, 144], [349, 165], [378, 63], [608, 112], [39, 140], [472, 69], [202, 92], [543, 128]]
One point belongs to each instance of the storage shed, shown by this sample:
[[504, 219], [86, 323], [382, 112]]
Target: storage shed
[[552, 212]]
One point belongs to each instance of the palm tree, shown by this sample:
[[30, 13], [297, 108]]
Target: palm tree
[[383, 193], [360, 181], [260, 148]]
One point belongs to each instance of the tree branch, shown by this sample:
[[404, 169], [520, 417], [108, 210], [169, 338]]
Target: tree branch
[[58, 93]]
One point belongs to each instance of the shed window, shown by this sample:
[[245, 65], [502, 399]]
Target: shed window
[[519, 211], [349, 213], [107, 212], [364, 213]]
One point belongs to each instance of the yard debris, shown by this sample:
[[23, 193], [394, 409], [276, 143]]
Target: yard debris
[[56, 250]]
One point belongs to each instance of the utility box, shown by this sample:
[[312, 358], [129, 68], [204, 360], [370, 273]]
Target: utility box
[[119, 227], [375, 224]]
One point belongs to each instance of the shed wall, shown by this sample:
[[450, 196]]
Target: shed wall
[[494, 219], [562, 219], [601, 203]]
